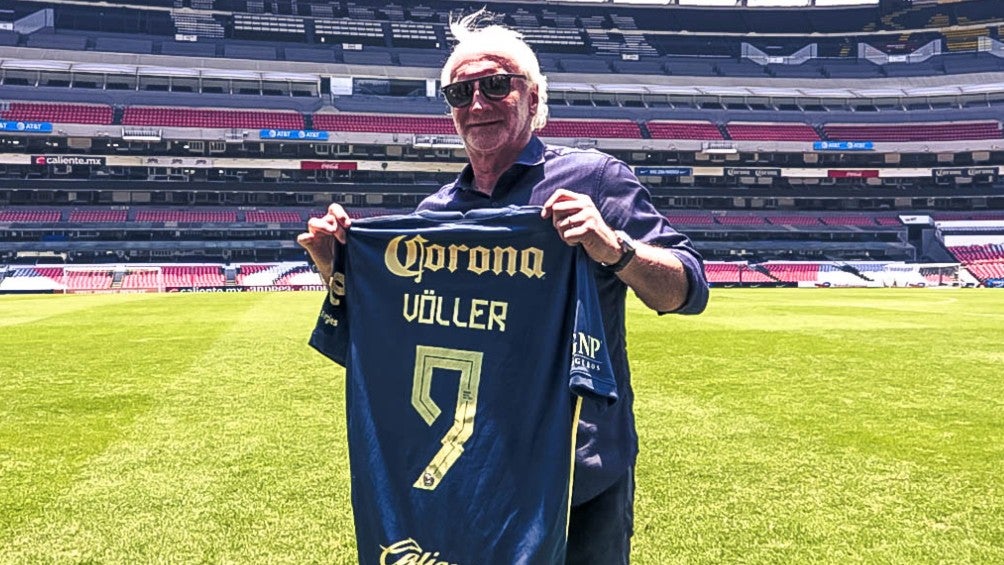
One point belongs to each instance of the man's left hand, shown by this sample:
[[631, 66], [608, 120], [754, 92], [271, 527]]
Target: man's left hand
[[579, 222]]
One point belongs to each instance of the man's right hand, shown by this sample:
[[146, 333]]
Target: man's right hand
[[317, 239]]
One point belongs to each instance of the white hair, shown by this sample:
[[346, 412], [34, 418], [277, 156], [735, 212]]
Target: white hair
[[474, 38]]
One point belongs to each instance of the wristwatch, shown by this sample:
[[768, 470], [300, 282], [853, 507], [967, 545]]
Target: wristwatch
[[627, 253]]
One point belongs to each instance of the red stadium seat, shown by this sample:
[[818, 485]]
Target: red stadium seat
[[771, 132], [914, 132], [683, 130], [30, 216], [58, 113], [383, 123], [211, 118]]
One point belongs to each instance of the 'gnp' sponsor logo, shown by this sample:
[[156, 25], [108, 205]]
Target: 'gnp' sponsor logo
[[586, 351], [408, 552], [412, 257]]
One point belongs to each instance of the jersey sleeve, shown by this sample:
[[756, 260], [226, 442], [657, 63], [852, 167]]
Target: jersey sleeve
[[331, 334], [591, 374]]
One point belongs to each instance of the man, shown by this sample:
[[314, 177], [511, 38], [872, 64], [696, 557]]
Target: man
[[498, 99]]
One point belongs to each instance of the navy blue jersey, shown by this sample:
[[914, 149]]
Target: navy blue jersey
[[469, 341]]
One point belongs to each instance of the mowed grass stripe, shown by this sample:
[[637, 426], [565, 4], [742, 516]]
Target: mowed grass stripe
[[230, 465], [70, 385], [782, 426], [777, 442]]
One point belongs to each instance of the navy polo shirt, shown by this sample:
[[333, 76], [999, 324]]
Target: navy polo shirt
[[607, 442]]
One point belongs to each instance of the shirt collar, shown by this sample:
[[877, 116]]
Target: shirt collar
[[532, 154]]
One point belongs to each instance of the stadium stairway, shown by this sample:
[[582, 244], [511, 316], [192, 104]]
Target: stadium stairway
[[229, 275], [643, 127], [764, 271], [854, 271]]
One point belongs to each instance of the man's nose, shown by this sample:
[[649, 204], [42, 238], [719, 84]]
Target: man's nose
[[478, 100]]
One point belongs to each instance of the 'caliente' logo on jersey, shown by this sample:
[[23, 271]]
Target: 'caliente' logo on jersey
[[419, 256], [408, 552]]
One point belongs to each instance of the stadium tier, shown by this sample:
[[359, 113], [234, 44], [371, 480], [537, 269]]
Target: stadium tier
[[660, 129], [210, 118], [786, 220], [985, 271], [740, 220], [58, 113], [913, 132], [282, 274], [186, 216], [771, 132], [849, 220], [383, 123], [992, 252], [98, 216], [591, 129], [123, 140], [984, 261], [269, 216], [696, 219], [29, 216], [794, 272]]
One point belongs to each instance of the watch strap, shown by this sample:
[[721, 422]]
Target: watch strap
[[627, 253]]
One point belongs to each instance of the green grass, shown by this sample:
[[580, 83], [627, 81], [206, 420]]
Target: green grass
[[834, 426]]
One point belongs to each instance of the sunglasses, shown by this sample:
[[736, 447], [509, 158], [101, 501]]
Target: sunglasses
[[493, 87]]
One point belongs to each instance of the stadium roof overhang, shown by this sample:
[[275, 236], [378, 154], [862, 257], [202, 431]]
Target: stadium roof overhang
[[775, 92], [154, 71]]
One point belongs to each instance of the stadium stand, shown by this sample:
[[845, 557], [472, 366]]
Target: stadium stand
[[29, 216], [799, 220], [58, 113], [683, 130], [794, 272], [848, 220], [914, 132], [384, 124], [771, 132], [155, 150], [187, 216], [210, 118], [98, 216], [591, 128], [273, 216]]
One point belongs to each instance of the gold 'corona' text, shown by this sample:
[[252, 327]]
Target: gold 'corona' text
[[418, 256], [408, 552], [471, 313]]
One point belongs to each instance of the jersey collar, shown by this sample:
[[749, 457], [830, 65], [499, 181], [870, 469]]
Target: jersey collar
[[532, 155]]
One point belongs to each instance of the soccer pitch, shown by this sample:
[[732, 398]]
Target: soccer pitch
[[781, 426]]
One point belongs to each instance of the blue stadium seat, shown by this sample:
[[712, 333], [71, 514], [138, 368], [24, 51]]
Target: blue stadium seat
[[188, 49], [57, 41], [262, 52], [308, 54], [123, 45]]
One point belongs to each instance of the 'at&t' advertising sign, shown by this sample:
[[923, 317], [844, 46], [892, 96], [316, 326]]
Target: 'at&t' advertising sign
[[26, 127], [300, 134]]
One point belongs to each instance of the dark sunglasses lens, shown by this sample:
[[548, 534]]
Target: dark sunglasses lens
[[459, 94], [496, 86]]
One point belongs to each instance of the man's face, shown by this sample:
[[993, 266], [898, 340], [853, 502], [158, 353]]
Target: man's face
[[494, 125]]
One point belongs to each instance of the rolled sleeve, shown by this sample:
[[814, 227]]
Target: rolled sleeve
[[627, 204], [697, 284]]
